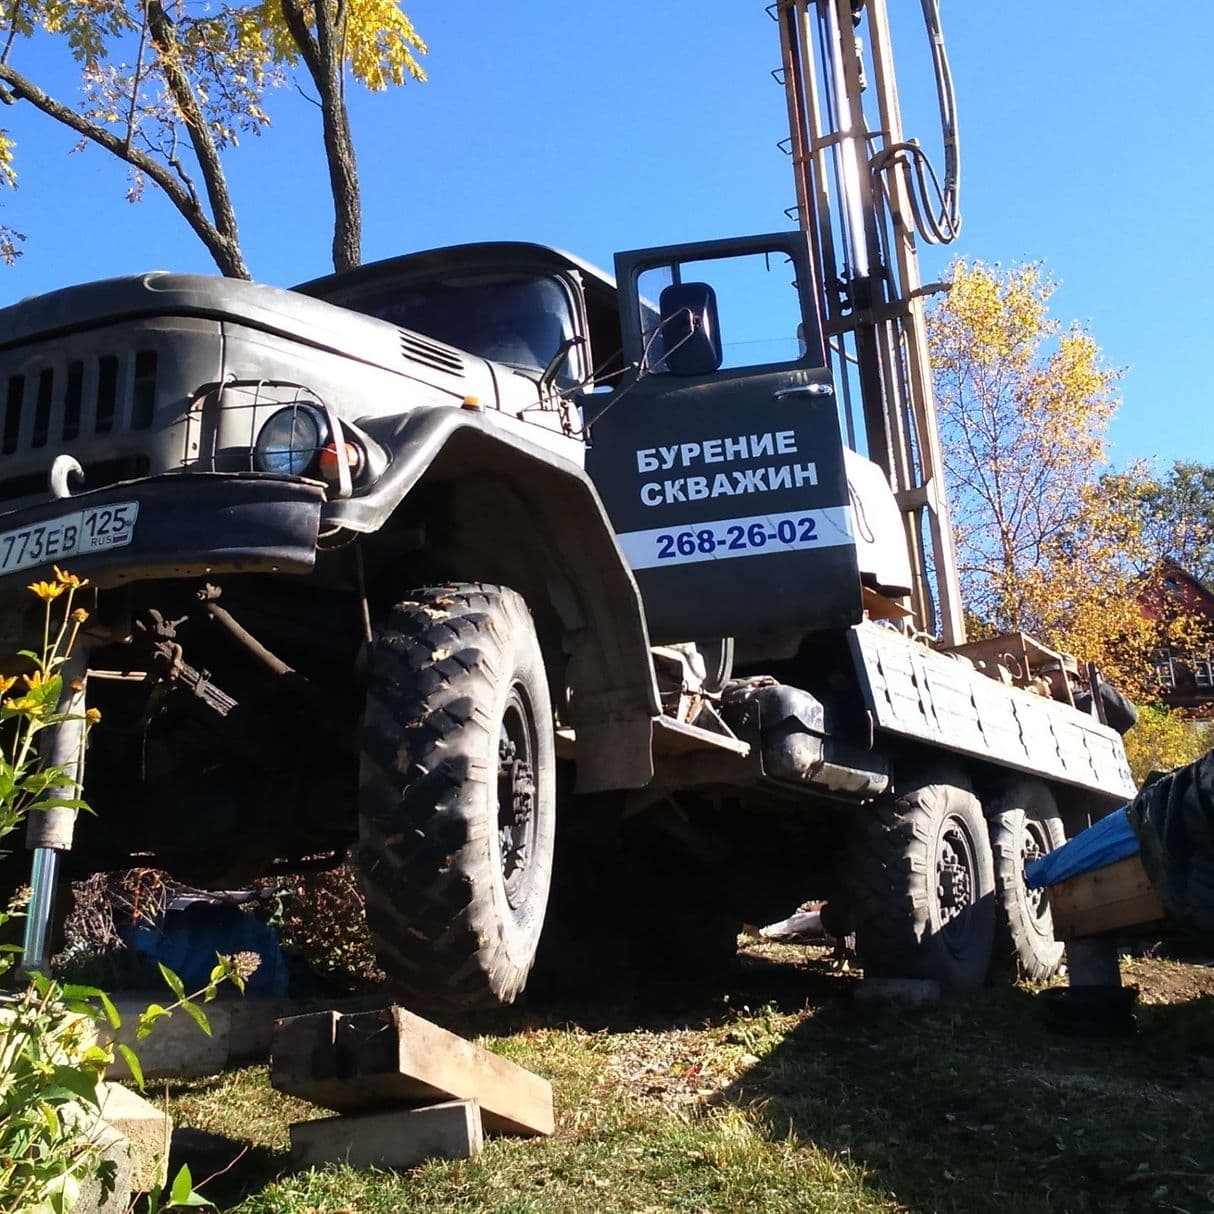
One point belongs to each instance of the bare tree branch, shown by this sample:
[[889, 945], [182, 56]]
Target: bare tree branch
[[223, 247], [12, 31], [130, 116], [165, 39]]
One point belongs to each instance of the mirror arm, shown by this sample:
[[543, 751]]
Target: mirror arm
[[548, 377]]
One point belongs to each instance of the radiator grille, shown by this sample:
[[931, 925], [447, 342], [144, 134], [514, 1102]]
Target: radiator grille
[[12, 413], [66, 403], [50, 406], [73, 399]]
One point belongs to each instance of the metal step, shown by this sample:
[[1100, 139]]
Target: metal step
[[671, 737]]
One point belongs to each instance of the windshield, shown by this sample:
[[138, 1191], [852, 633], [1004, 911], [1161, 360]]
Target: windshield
[[516, 319]]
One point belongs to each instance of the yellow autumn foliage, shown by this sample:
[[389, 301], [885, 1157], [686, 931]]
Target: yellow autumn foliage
[[1049, 540], [8, 168], [1163, 740], [168, 88], [379, 42]]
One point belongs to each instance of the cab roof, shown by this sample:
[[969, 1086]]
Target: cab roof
[[504, 254]]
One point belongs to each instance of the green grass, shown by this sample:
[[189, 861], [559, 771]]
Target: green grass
[[782, 1095]]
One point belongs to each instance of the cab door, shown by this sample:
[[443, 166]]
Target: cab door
[[718, 456]]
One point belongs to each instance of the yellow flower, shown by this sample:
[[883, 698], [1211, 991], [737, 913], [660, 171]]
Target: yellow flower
[[92, 715], [34, 680], [47, 590], [6, 682], [80, 615], [69, 579]]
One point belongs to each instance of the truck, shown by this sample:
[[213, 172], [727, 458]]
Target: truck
[[566, 603]]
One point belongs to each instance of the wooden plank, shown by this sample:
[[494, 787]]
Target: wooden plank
[[1104, 900], [376, 1060], [252, 1019], [398, 1138], [880, 607]]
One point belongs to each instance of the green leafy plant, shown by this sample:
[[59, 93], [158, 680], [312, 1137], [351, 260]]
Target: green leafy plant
[[51, 1066], [51, 1058]]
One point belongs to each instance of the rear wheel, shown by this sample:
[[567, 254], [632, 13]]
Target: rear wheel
[[457, 796], [1024, 826], [924, 884]]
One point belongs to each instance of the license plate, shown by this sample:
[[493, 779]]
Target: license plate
[[60, 539]]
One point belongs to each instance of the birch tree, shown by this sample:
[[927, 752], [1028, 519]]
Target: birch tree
[[1050, 541], [168, 91]]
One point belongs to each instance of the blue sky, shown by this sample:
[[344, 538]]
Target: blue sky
[[598, 127]]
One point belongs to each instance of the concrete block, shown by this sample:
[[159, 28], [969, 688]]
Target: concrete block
[[398, 1138], [117, 1195], [176, 1046], [392, 1058], [146, 1128], [132, 1137], [251, 1026]]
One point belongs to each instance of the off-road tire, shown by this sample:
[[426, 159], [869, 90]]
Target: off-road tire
[[457, 796], [924, 883], [1024, 825]]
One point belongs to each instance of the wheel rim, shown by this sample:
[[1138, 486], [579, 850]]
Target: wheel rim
[[1034, 843], [957, 879], [516, 808]]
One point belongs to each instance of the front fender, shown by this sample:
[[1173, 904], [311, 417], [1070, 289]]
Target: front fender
[[535, 519]]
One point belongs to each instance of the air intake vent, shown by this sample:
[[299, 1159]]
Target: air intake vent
[[441, 358]]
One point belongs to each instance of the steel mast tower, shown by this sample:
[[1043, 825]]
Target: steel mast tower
[[861, 200]]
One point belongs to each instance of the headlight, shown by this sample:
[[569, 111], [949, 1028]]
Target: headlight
[[290, 441]]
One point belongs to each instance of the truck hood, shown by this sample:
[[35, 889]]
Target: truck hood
[[271, 309]]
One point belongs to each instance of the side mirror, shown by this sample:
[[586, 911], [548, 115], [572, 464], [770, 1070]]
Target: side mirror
[[691, 334]]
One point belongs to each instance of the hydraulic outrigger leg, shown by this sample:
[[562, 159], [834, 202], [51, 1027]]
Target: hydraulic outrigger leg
[[49, 831]]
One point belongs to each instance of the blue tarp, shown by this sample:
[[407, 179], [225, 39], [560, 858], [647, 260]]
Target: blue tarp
[[188, 940], [1109, 840]]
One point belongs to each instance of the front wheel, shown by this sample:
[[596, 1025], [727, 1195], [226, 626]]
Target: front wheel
[[924, 885], [457, 796], [1025, 825]]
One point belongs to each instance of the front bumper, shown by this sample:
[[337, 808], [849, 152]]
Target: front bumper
[[189, 525]]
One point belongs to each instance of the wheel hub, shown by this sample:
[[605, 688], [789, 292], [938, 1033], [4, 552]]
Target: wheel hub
[[515, 795], [955, 874], [1033, 846]]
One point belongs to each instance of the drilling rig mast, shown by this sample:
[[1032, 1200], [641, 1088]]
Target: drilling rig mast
[[862, 199]]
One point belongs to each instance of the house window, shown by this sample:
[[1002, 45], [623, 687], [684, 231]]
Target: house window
[[1203, 672], [1165, 672]]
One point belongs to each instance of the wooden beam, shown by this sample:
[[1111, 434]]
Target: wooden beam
[[398, 1138], [1104, 900], [393, 1058]]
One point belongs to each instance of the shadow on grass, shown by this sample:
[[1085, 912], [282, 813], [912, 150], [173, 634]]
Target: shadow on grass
[[964, 1107], [981, 1107], [227, 1169]]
